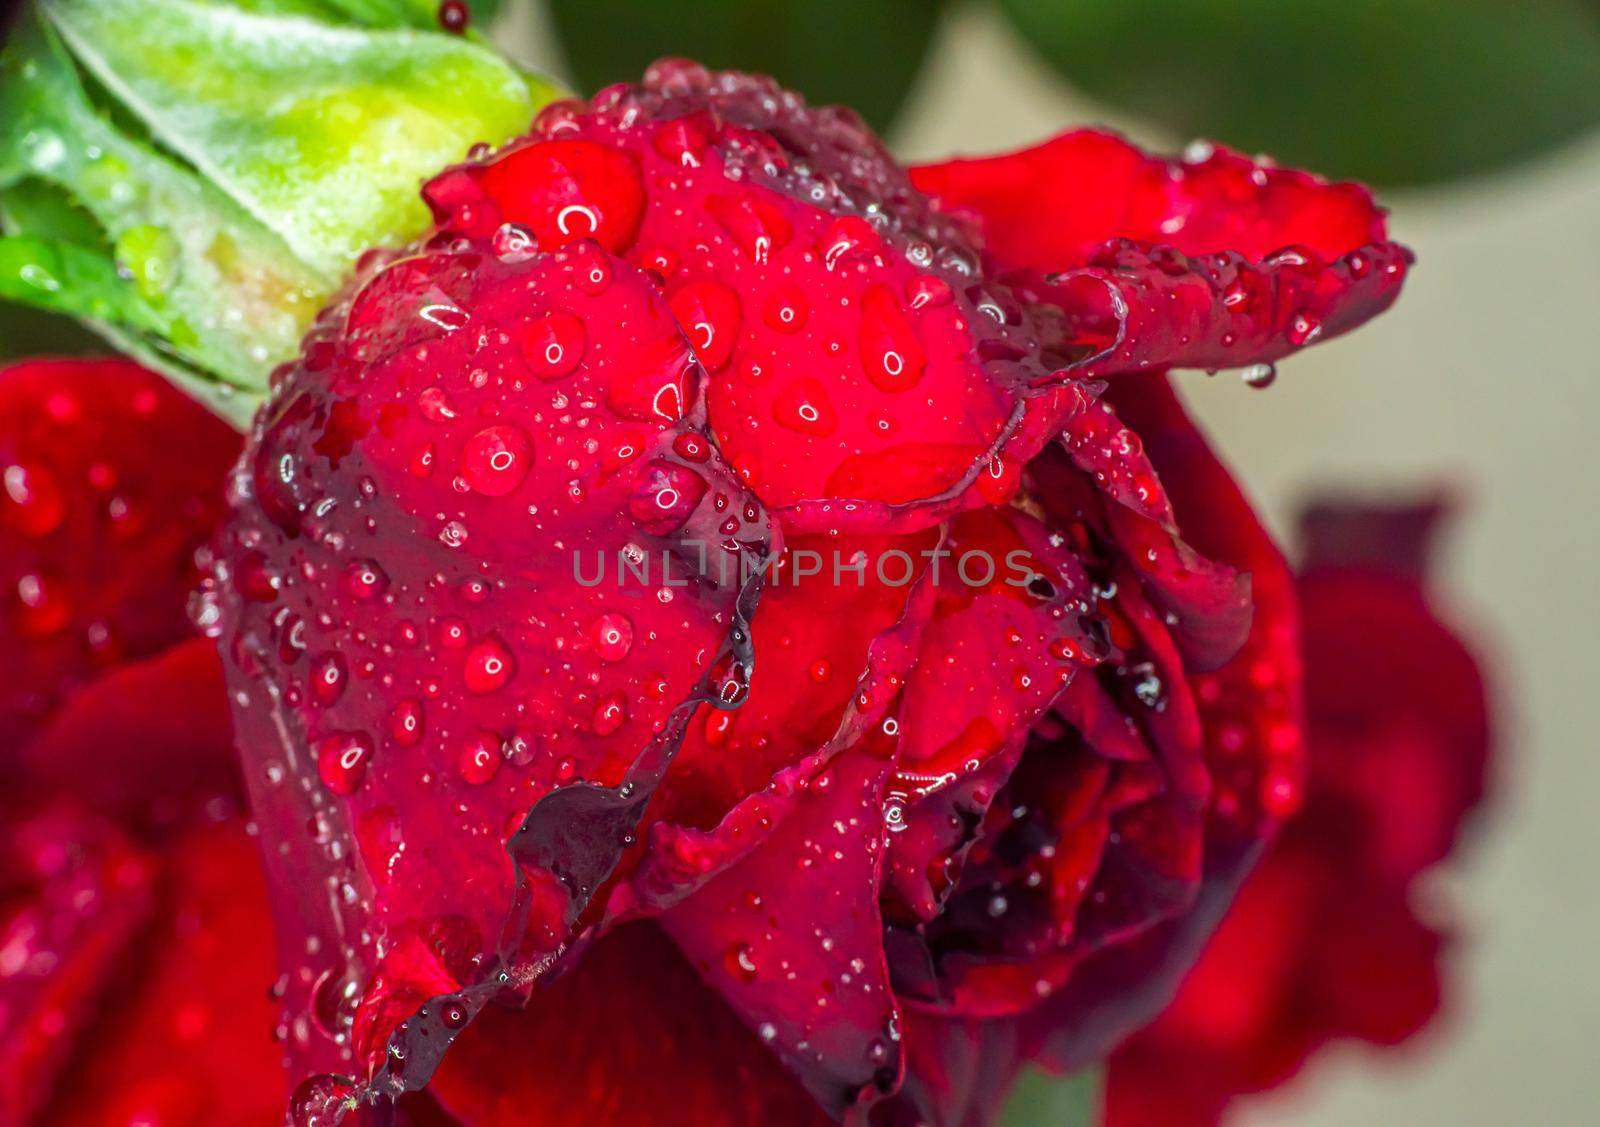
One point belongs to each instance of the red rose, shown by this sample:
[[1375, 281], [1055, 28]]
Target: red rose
[[1324, 940], [938, 686], [698, 329]]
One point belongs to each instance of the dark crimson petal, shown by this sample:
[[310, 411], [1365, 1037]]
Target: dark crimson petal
[[1207, 604], [1249, 712], [630, 1034], [1077, 854], [1178, 1071], [74, 896], [482, 555], [1317, 946], [1395, 540], [187, 1038], [148, 743], [791, 936], [1096, 835], [856, 353], [1209, 261], [1378, 979], [1251, 708], [112, 481]]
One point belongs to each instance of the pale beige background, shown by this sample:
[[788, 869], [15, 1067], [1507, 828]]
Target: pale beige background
[[1487, 374]]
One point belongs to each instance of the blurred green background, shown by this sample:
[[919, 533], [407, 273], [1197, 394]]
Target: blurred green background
[[1400, 93]]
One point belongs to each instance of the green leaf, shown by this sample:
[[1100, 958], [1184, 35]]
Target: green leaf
[[420, 14], [1390, 91], [860, 53], [1039, 1100], [195, 177], [33, 205], [291, 116], [230, 296], [68, 278], [85, 283]]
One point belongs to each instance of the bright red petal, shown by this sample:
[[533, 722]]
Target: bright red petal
[[850, 360], [1208, 261]]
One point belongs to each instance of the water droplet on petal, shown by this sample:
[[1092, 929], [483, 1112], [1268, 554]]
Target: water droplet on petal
[[610, 714], [804, 406], [709, 314], [342, 761], [364, 579], [891, 355], [665, 496], [741, 962], [407, 724], [513, 243], [479, 759], [787, 310], [553, 345], [497, 459], [1259, 375], [613, 636], [489, 665], [328, 677]]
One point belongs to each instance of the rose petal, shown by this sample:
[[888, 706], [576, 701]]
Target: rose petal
[[836, 638], [896, 392], [1249, 711], [1011, 625], [630, 1034], [804, 907], [469, 592], [1321, 942], [1209, 261]]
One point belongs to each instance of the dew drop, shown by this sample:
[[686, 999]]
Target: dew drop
[[489, 666], [342, 761], [1259, 375], [497, 459], [479, 758], [613, 636], [610, 713], [553, 345]]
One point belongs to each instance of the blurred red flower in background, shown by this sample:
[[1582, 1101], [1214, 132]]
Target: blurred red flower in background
[[135, 945]]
